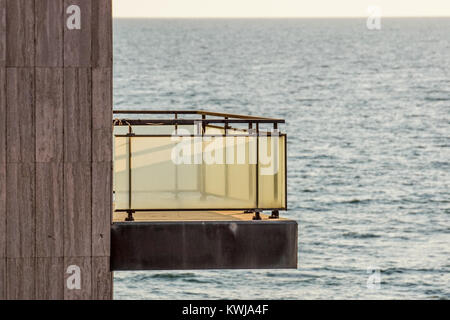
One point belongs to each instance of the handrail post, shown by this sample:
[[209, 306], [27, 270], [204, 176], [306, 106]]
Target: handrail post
[[176, 123], [226, 158], [202, 169], [129, 211], [176, 166], [203, 124], [257, 165], [277, 170]]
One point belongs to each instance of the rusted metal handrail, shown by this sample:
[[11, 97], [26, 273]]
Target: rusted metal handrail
[[140, 122], [199, 112], [226, 119]]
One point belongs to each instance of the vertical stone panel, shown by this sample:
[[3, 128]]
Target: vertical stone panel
[[2, 160], [102, 37], [101, 209], [49, 33], [102, 115], [20, 33], [77, 162], [2, 33], [101, 279], [50, 278], [2, 210], [20, 169], [102, 161], [20, 115], [21, 279], [77, 115], [49, 115], [20, 217], [49, 167], [102, 101], [49, 210], [77, 42], [2, 278], [2, 113], [77, 209]]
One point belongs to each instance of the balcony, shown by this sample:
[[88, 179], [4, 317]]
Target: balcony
[[195, 180]]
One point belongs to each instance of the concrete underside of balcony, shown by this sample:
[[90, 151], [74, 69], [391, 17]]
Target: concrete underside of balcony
[[202, 240]]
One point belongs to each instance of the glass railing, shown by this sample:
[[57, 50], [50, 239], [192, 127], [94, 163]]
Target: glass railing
[[198, 164]]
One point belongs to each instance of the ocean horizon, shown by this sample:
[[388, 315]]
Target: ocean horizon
[[368, 126]]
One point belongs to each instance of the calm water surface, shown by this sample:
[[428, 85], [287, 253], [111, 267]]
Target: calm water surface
[[368, 119]]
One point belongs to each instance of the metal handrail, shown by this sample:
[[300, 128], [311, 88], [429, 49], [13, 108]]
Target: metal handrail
[[140, 122], [201, 113]]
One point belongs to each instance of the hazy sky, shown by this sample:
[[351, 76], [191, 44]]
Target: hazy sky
[[277, 8]]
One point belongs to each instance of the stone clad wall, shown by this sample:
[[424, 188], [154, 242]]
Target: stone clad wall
[[55, 149]]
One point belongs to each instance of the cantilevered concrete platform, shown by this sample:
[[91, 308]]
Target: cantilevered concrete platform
[[202, 240]]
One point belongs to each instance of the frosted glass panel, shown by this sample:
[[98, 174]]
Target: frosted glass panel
[[272, 172], [158, 182], [233, 175], [121, 166], [191, 173]]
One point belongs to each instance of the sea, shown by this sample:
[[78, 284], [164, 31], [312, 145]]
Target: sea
[[368, 123]]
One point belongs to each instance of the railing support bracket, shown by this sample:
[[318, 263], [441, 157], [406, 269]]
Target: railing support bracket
[[275, 215], [257, 215], [130, 217]]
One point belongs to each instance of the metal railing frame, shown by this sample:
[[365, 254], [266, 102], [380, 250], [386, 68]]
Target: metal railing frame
[[218, 118]]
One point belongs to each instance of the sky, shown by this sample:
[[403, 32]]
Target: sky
[[278, 8]]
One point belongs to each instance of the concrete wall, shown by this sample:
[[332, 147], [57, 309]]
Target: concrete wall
[[55, 149], [193, 245]]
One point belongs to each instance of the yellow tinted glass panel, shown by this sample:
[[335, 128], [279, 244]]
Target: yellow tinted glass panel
[[272, 172], [121, 166], [194, 173]]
